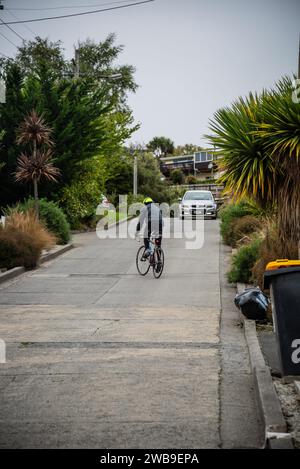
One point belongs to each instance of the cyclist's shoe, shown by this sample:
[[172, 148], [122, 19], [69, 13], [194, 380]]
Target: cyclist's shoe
[[145, 255], [158, 268]]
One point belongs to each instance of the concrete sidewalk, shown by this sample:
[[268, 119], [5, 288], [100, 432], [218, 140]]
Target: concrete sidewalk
[[240, 419]]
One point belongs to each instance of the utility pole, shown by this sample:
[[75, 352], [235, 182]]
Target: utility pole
[[77, 73], [77, 64], [133, 152], [299, 60], [135, 173], [211, 167]]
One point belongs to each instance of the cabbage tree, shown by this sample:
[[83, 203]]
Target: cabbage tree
[[36, 165], [258, 138]]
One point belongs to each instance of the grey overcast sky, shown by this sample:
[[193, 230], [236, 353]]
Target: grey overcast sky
[[191, 56]]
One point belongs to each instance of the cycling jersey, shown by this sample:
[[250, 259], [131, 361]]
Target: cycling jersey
[[151, 221]]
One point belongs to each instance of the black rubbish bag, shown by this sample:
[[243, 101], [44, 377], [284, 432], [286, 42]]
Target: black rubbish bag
[[253, 303]]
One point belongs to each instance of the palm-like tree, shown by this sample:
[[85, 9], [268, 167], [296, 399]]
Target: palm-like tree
[[40, 167], [34, 132], [280, 132], [259, 140], [248, 171]]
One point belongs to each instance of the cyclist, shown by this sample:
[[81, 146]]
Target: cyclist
[[152, 221]]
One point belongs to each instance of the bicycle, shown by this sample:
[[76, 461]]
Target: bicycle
[[156, 259]]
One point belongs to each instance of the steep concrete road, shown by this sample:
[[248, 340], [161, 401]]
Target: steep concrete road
[[100, 357]]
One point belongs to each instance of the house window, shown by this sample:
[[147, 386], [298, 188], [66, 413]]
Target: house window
[[203, 157]]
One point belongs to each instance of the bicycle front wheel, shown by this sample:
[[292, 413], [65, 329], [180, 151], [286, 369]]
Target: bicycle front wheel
[[159, 262], [142, 263]]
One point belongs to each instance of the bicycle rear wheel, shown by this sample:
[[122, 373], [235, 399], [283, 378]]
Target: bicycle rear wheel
[[142, 263], [159, 262]]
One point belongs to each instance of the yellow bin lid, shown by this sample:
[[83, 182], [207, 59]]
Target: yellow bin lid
[[281, 263]]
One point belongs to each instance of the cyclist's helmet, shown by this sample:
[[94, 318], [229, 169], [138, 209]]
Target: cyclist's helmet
[[148, 200]]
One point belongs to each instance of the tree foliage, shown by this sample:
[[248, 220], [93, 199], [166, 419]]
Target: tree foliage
[[258, 138], [166, 145], [97, 60], [187, 149], [177, 176], [248, 169], [150, 182], [88, 114]]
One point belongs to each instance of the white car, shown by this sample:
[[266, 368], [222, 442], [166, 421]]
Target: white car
[[197, 202]]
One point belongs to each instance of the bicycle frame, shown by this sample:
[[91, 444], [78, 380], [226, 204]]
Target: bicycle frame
[[156, 253]]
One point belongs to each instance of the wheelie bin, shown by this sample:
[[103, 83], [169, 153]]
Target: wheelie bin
[[282, 277]]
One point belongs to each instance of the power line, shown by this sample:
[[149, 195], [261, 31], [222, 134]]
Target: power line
[[9, 27], [25, 25], [77, 14], [9, 40], [68, 6]]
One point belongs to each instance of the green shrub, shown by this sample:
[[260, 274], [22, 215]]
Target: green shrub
[[244, 226], [53, 217], [133, 199], [18, 248], [243, 262], [208, 180], [80, 197], [177, 176], [191, 180], [174, 193], [79, 203], [228, 214]]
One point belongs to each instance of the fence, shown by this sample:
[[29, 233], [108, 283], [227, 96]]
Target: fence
[[216, 189]]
